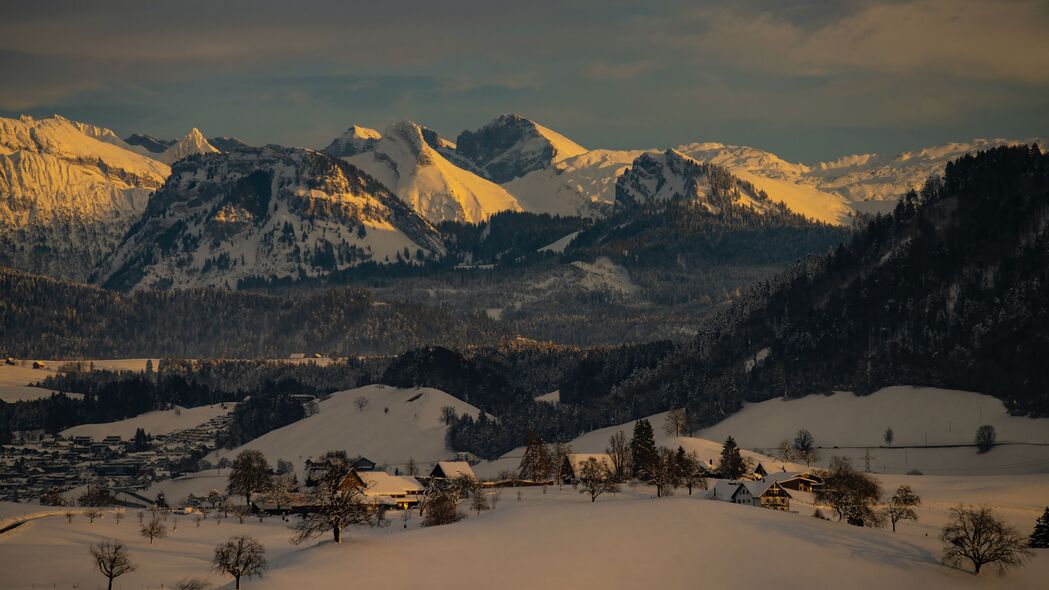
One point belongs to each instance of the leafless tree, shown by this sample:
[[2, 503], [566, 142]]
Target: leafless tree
[[558, 451], [978, 536], [154, 529], [494, 497], [901, 506], [249, 473], [360, 403], [240, 556], [192, 584], [619, 450], [448, 414], [805, 447], [785, 452], [850, 493], [92, 514], [664, 473], [412, 468], [280, 491], [118, 516], [691, 470], [676, 422], [69, 516], [112, 560], [241, 512], [479, 503], [440, 505], [336, 503], [596, 478]]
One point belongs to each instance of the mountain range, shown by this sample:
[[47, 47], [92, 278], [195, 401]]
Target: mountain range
[[79, 202]]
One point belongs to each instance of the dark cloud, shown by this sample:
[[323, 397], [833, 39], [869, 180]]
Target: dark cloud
[[808, 79]]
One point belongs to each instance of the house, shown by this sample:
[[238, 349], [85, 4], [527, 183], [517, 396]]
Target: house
[[380, 487], [450, 469], [39, 365], [362, 463], [760, 471], [803, 481], [765, 494], [572, 466]]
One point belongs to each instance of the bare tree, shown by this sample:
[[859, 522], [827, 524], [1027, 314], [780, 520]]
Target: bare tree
[[978, 536], [558, 451], [889, 437], [850, 493], [360, 403], [336, 503], [412, 468], [805, 447], [112, 560], [249, 473], [676, 422], [619, 450], [192, 584], [92, 514], [69, 514], [155, 529], [280, 490], [440, 505], [692, 475], [494, 497], [986, 436], [901, 506], [785, 452], [535, 464], [664, 473], [479, 503], [596, 478], [118, 516], [240, 556]]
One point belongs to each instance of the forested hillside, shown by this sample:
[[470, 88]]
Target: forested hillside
[[47, 318], [949, 291]]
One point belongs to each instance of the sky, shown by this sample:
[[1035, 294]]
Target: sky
[[807, 80]]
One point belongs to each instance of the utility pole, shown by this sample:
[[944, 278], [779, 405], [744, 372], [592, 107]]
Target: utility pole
[[867, 458]]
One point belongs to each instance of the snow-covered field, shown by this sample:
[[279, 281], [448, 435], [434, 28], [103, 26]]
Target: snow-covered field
[[15, 379], [917, 416], [396, 425], [556, 539], [154, 423]]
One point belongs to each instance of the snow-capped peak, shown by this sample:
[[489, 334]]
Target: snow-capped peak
[[511, 146], [355, 140], [193, 143], [413, 169]]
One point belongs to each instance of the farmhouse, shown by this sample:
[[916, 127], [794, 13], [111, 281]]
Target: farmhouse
[[765, 494], [450, 469], [572, 466], [803, 481]]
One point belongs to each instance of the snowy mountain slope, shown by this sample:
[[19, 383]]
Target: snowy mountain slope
[[438, 189], [149, 142], [511, 146], [396, 425], [355, 140], [68, 193], [154, 423], [671, 176], [191, 144], [581, 185], [264, 213]]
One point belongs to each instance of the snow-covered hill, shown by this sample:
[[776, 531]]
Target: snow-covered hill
[[68, 193], [511, 146], [154, 423], [438, 190], [394, 426], [265, 213], [583, 185]]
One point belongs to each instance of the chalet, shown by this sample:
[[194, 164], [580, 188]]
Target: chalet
[[765, 494], [450, 469], [380, 487], [760, 471], [572, 466], [803, 481], [39, 365]]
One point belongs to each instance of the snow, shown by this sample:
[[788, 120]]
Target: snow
[[411, 429], [554, 397], [556, 539], [918, 417], [605, 275], [191, 144], [580, 185], [563, 147], [437, 189], [356, 139], [154, 423], [558, 246], [15, 380]]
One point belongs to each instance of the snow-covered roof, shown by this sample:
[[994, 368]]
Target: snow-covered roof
[[452, 469], [782, 476], [380, 483]]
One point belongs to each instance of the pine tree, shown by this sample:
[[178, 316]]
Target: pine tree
[[732, 465], [1040, 536], [535, 465], [643, 449]]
